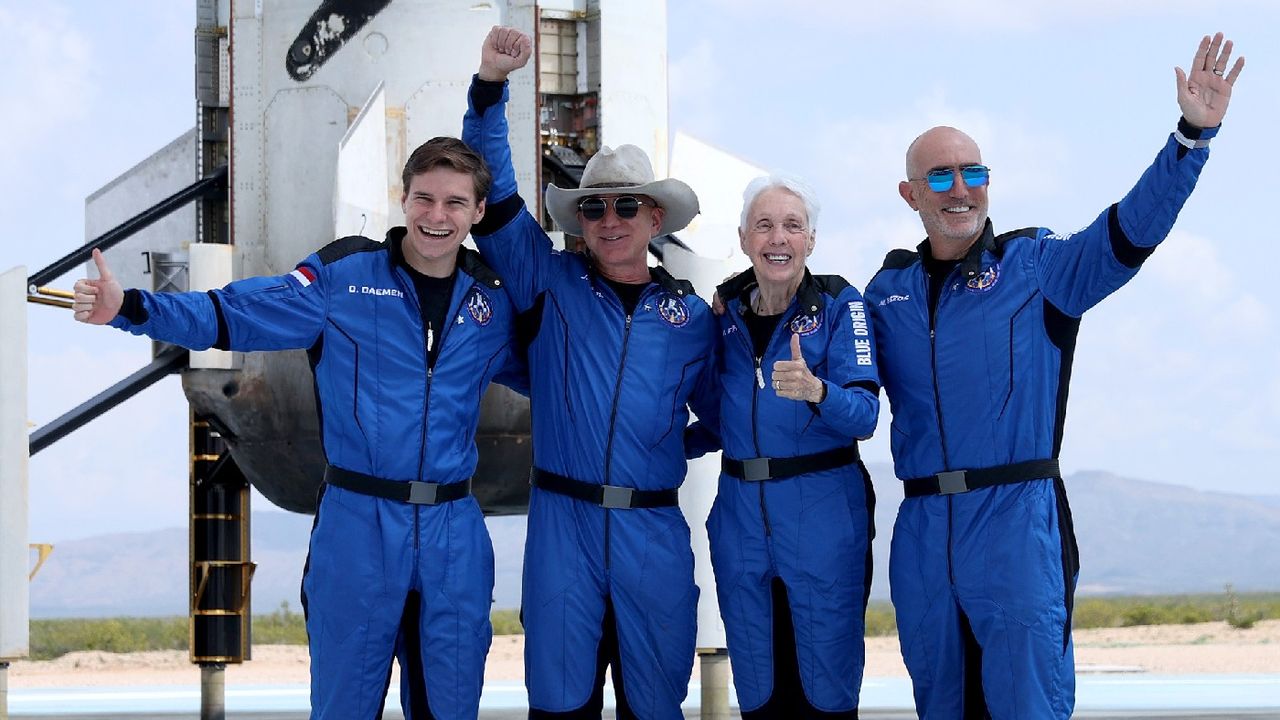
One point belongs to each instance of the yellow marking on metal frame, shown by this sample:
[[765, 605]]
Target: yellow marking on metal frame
[[48, 301], [44, 549], [203, 568]]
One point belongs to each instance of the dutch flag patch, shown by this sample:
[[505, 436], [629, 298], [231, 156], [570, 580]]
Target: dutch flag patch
[[303, 275]]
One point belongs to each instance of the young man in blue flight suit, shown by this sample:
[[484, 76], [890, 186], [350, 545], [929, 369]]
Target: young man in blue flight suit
[[619, 351], [975, 334], [404, 337]]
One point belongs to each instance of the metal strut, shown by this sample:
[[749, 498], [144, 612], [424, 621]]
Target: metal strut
[[166, 363], [216, 182]]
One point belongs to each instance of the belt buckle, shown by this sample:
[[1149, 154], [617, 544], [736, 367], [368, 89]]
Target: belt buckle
[[756, 469], [952, 482], [422, 493], [615, 497]]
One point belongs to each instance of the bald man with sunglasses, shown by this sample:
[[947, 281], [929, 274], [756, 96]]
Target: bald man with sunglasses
[[975, 334]]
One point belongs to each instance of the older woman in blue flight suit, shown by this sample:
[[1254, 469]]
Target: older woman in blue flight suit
[[791, 526]]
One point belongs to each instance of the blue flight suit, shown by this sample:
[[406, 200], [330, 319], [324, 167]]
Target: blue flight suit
[[609, 398], [383, 413], [983, 581], [812, 531]]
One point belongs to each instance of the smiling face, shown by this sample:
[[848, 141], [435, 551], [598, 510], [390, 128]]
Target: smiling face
[[953, 219], [440, 206], [777, 238], [619, 246]]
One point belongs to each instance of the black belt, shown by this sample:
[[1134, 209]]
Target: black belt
[[606, 496], [410, 491], [959, 481], [757, 469]]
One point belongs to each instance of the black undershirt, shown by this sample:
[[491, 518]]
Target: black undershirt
[[937, 270], [761, 328], [628, 293], [434, 295]]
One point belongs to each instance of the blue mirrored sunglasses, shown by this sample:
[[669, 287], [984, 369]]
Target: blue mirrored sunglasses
[[942, 179]]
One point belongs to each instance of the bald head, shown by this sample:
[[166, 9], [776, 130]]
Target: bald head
[[955, 217], [935, 145]]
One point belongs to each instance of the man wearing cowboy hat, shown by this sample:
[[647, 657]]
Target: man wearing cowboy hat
[[618, 351]]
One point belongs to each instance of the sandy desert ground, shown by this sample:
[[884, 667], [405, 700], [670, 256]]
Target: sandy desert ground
[[1165, 649]]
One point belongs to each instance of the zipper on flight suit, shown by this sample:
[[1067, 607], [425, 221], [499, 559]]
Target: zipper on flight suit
[[613, 420], [427, 337], [755, 440], [937, 403], [745, 334]]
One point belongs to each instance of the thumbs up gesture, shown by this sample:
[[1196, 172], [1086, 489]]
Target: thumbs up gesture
[[97, 302], [792, 379]]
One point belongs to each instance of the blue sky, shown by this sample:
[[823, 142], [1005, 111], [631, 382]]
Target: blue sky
[[1174, 377]]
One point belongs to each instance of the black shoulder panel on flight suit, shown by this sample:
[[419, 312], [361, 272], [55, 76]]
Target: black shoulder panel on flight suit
[[349, 245]]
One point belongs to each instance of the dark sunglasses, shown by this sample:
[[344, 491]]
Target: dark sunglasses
[[624, 206], [942, 179]]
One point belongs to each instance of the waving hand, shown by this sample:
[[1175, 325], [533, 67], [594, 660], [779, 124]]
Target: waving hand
[[1204, 92]]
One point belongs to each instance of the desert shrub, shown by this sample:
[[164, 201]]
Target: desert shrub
[[1236, 615], [1164, 613], [1239, 610], [282, 627], [506, 622], [54, 638], [881, 620]]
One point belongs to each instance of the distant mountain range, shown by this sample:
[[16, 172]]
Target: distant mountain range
[[1135, 537]]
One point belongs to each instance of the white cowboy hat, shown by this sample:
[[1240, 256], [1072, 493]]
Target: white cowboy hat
[[624, 171]]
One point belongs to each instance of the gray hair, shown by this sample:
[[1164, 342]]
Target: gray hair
[[791, 184]]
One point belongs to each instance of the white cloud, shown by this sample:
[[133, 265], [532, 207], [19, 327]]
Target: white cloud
[[1191, 263], [1175, 374], [862, 157], [982, 17], [1206, 291], [856, 251], [691, 76], [856, 163], [48, 73]]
